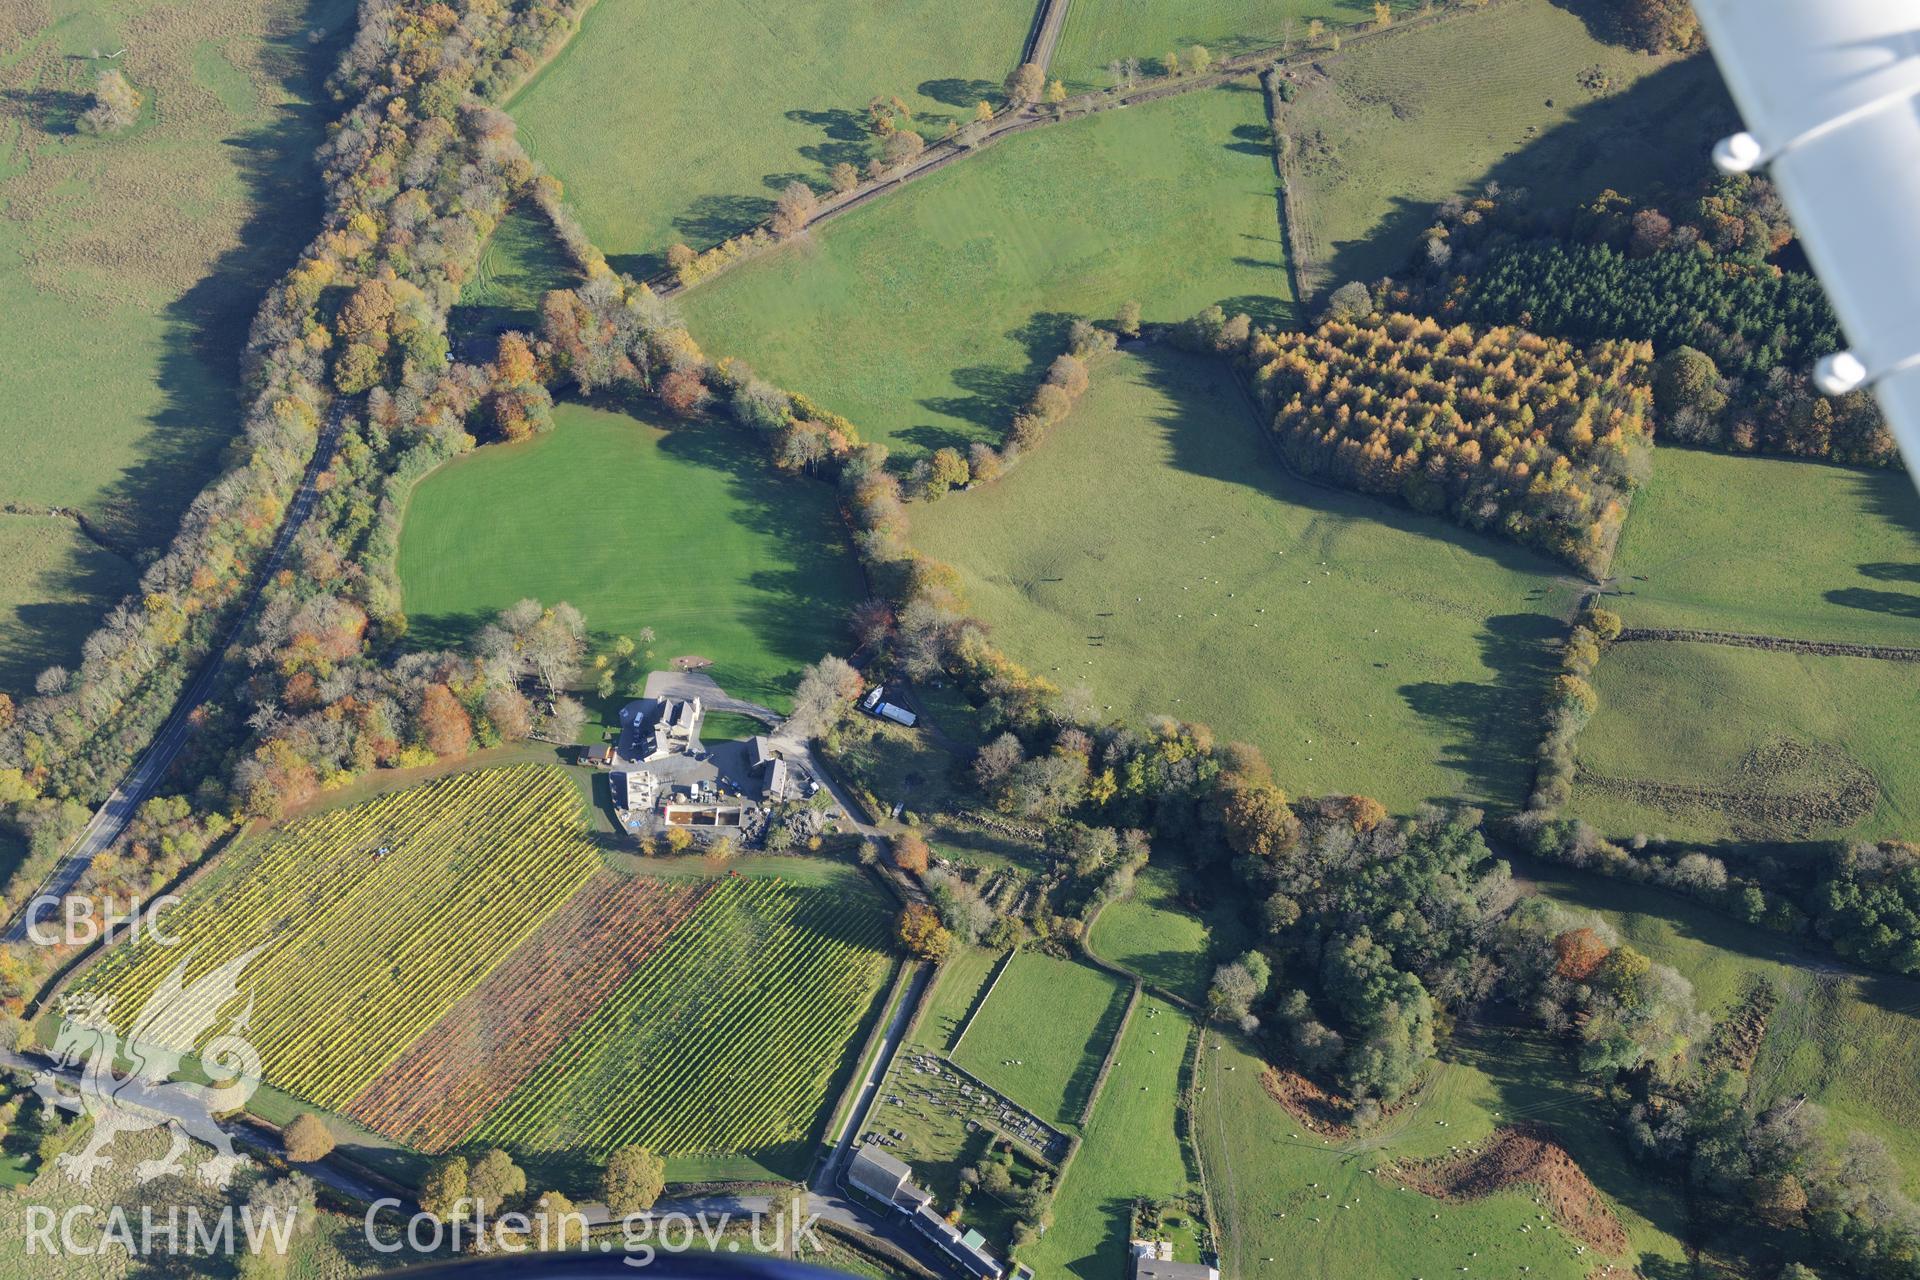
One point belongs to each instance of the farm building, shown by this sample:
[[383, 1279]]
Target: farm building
[[634, 789], [878, 1174], [1153, 1260], [963, 1247], [598, 756], [890, 1181]]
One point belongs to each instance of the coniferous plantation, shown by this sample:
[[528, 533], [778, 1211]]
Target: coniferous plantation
[[1174, 621]]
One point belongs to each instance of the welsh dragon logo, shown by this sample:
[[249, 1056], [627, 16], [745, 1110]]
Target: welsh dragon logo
[[146, 1097]]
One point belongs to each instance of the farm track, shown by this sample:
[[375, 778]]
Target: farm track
[[1045, 36], [117, 810]]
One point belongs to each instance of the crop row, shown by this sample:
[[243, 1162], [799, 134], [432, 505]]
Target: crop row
[[362, 951], [469, 1061], [723, 1041]]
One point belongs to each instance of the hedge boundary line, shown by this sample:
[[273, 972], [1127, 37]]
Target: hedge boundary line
[[1777, 644], [979, 1001], [1113, 1052]]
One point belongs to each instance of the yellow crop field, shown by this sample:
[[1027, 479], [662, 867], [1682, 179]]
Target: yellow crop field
[[371, 923]]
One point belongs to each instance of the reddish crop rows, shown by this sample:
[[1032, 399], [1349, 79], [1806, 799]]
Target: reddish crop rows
[[470, 1060], [724, 1040]]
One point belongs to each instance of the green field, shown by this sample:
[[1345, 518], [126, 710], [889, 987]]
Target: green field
[[1153, 551], [716, 107], [1040, 1037], [684, 531], [522, 261], [1845, 1040], [956, 987], [927, 317], [1770, 546], [1394, 126], [1259, 1163], [1133, 1149], [1151, 935], [53, 589], [1745, 745], [1099, 31], [131, 267]]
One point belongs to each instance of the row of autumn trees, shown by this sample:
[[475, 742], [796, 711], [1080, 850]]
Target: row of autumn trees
[[1736, 332], [418, 172], [1497, 429]]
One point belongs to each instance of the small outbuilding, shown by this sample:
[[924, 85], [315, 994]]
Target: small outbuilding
[[1153, 1260]]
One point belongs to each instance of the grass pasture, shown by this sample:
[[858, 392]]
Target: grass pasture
[[1259, 1163], [717, 107], [1726, 745], [1151, 935], [1133, 1150], [56, 584], [521, 263], [1154, 551], [1773, 547], [131, 267], [1099, 31], [928, 317], [684, 531], [1395, 126], [956, 989], [1040, 1037]]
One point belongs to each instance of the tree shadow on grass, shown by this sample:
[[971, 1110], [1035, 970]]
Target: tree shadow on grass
[[54, 111], [1086, 1071], [430, 632], [1603, 144], [798, 610], [49, 632], [1890, 571], [1900, 604], [1252, 140], [1492, 727], [995, 393], [712, 219], [198, 375], [1489, 726], [847, 140], [956, 92]]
